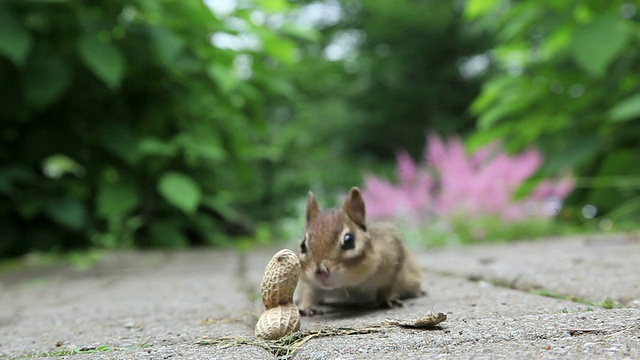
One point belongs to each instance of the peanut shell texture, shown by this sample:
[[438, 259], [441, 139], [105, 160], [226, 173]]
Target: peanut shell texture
[[280, 279], [277, 322]]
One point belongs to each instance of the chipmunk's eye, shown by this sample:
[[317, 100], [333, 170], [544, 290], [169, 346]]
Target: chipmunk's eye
[[348, 241], [303, 245]]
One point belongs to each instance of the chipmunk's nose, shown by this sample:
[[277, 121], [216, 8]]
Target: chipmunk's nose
[[322, 273]]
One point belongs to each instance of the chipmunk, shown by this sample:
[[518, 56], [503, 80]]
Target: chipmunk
[[343, 256]]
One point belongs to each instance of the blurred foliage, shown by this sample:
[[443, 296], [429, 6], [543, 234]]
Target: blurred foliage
[[409, 74], [379, 77], [568, 81], [483, 229], [164, 123], [401, 80], [125, 126]]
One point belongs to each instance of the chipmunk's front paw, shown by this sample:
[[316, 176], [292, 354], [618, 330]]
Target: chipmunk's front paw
[[391, 303], [310, 311], [308, 308]]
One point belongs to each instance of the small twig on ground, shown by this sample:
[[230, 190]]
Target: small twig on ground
[[573, 332], [636, 326], [287, 344], [423, 322], [607, 332], [292, 342]]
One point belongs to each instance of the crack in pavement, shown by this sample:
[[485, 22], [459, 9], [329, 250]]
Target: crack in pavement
[[530, 288]]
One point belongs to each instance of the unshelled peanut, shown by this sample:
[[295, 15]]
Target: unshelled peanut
[[277, 322], [280, 279]]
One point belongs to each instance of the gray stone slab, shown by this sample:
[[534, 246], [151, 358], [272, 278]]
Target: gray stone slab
[[484, 321], [593, 268], [157, 305], [546, 336], [182, 351], [146, 301], [170, 352]]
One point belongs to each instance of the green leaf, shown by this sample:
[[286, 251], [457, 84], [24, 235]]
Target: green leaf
[[103, 59], [521, 21], [221, 203], [15, 41], [626, 211], [483, 138], [224, 77], [278, 85], [56, 165], [573, 152], [616, 163], [511, 104], [280, 48], [274, 5], [206, 144], [625, 110], [155, 146], [181, 191], [477, 8], [492, 92], [556, 43], [47, 77], [308, 34], [116, 200], [167, 45], [596, 44], [119, 139], [69, 212]]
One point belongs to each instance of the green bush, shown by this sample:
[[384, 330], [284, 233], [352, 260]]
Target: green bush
[[567, 80], [400, 78], [124, 126]]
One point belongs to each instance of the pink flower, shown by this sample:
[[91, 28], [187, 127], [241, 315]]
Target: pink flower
[[435, 152], [406, 168], [451, 183], [380, 197]]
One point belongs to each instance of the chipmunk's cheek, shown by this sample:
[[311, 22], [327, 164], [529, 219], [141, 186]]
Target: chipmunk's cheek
[[338, 278], [352, 277], [350, 281]]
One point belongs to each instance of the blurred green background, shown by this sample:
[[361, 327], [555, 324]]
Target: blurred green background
[[166, 123]]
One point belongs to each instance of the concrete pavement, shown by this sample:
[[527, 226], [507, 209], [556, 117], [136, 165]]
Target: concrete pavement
[[156, 305]]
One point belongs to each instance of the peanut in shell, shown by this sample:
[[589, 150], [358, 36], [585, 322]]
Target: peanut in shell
[[277, 322], [280, 279]]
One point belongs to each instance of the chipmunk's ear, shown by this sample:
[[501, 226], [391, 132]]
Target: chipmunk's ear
[[312, 207], [354, 207]]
